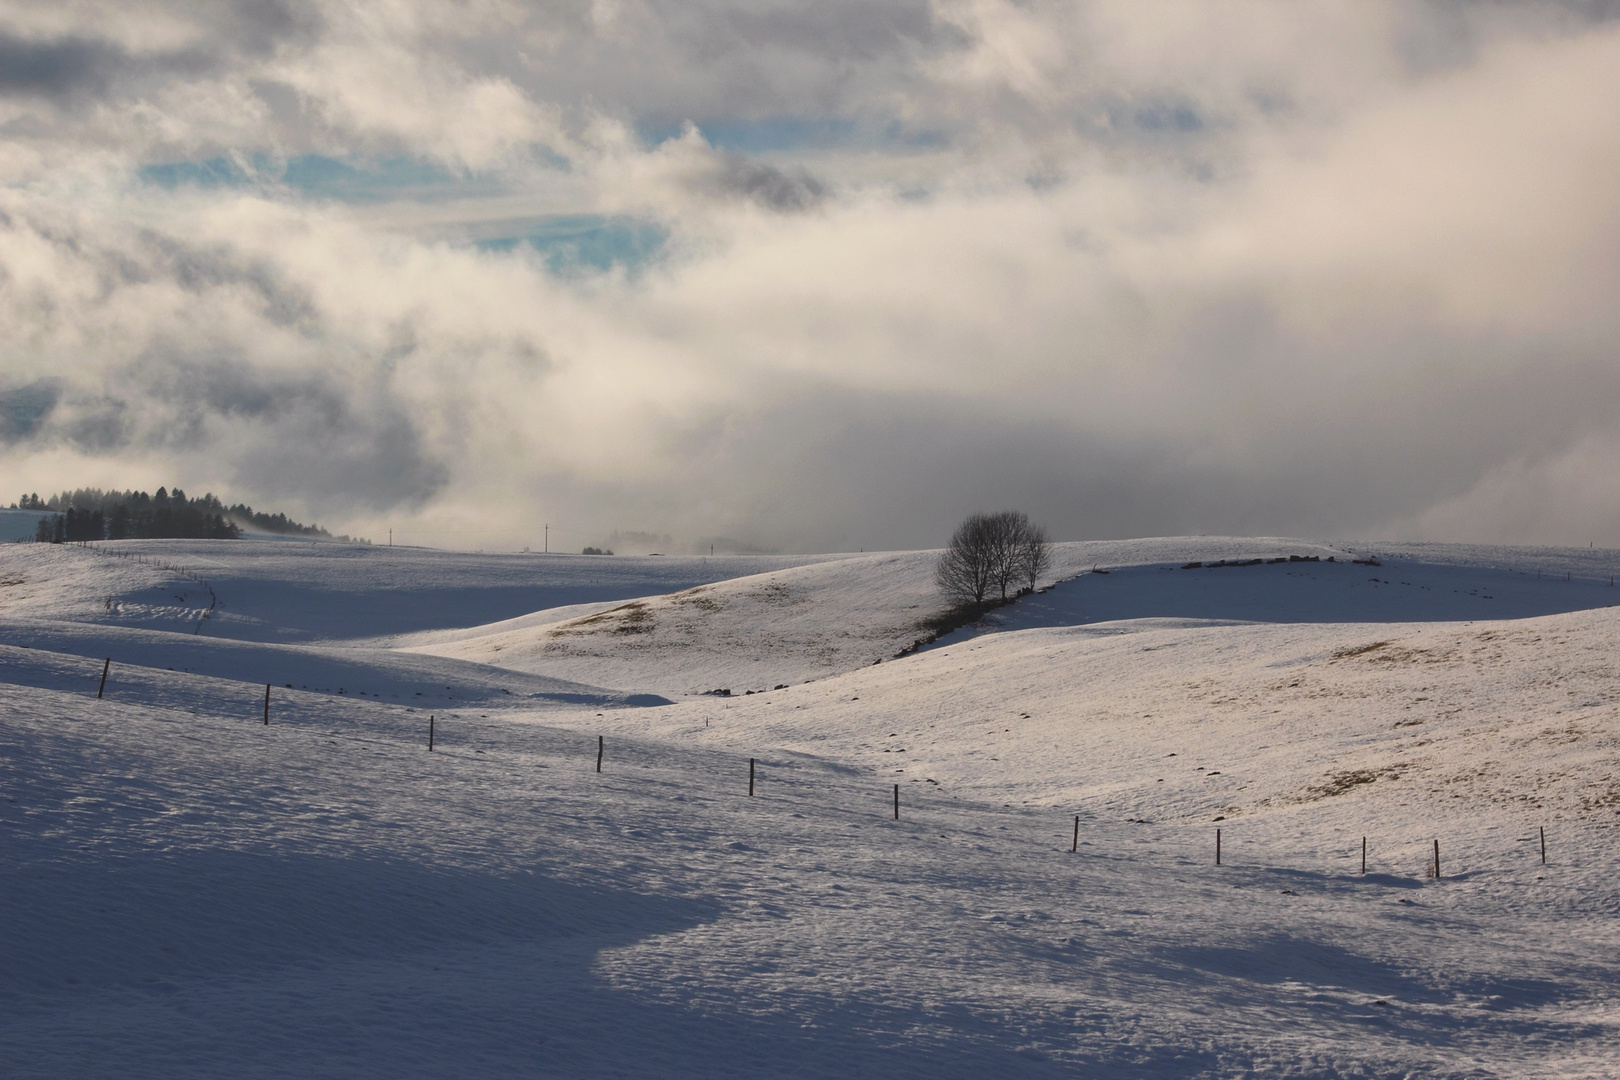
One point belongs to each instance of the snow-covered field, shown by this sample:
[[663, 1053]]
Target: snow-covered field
[[190, 892]]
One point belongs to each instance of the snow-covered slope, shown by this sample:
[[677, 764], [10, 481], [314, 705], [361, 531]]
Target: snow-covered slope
[[1399, 588], [1180, 723], [802, 623], [293, 590], [787, 626], [193, 893]]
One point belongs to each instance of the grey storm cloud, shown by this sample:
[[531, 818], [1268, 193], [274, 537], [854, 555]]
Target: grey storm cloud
[[198, 268], [24, 409], [89, 65], [75, 69], [149, 256], [770, 187], [300, 434], [182, 369], [59, 68], [664, 62]]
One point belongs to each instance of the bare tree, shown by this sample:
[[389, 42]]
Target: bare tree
[[1006, 534], [1034, 554], [992, 552], [965, 569]]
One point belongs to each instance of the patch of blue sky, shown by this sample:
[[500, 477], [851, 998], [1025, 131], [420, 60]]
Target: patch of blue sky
[[213, 173], [582, 244], [321, 177], [325, 177]]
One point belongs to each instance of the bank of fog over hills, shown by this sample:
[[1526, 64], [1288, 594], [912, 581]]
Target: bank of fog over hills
[[323, 894]]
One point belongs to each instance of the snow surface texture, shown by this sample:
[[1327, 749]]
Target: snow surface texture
[[190, 892], [297, 590]]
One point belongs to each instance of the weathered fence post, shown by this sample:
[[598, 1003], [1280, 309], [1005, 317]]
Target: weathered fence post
[[897, 802], [599, 745], [1437, 859], [1217, 846], [1363, 854], [430, 734], [750, 777], [266, 704], [1543, 845], [106, 664], [1076, 846]]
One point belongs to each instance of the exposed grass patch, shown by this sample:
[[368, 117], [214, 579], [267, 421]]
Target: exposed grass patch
[[1340, 782], [943, 622], [631, 618], [1343, 654]]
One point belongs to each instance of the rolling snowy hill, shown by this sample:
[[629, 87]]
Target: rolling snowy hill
[[806, 622], [192, 892]]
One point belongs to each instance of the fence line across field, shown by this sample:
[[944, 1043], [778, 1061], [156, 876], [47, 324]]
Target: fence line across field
[[833, 795], [802, 790], [213, 597]]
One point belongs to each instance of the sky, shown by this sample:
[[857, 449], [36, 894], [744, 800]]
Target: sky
[[815, 276]]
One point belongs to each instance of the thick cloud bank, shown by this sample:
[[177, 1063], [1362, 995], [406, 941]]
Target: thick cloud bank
[[820, 275]]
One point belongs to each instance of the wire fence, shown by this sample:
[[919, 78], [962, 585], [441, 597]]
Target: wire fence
[[837, 794]]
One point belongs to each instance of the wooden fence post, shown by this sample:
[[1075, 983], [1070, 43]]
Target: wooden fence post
[[1363, 854], [430, 734], [105, 665], [1217, 846], [1076, 846], [1544, 845], [599, 745], [1437, 859], [266, 704], [750, 777], [897, 802]]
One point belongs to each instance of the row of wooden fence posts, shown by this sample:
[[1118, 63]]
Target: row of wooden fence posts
[[106, 666], [601, 746], [1074, 845], [1434, 867]]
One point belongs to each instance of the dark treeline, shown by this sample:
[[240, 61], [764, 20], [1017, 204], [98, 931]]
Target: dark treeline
[[93, 514]]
